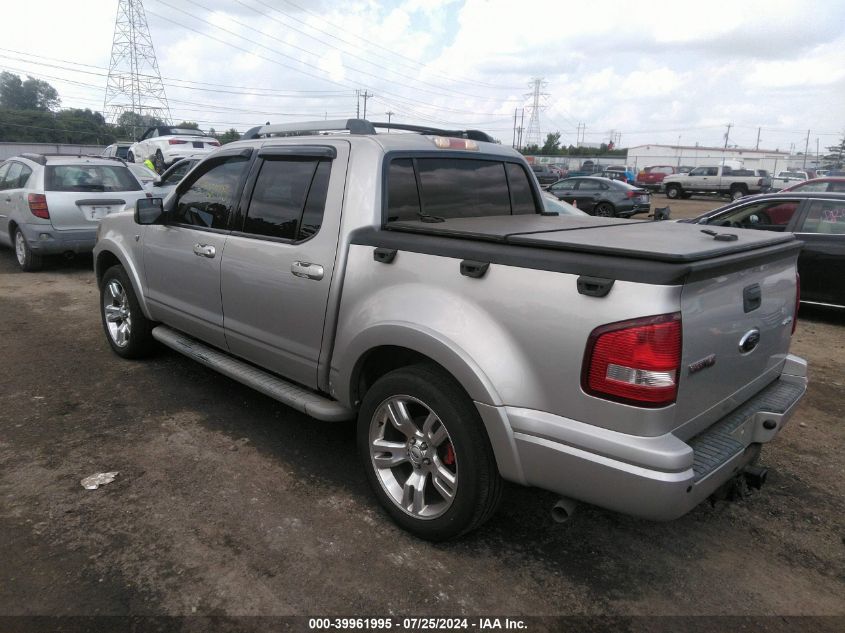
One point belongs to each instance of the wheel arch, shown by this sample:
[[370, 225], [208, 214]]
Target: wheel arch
[[108, 256]]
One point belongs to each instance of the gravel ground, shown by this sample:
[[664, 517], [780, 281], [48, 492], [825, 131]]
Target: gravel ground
[[228, 503]]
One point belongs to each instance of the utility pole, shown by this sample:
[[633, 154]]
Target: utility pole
[[513, 143], [521, 128], [758, 139], [728, 134], [806, 147], [389, 115], [366, 96], [357, 104]]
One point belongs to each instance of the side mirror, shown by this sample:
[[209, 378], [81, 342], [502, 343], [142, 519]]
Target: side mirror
[[157, 182], [149, 210]]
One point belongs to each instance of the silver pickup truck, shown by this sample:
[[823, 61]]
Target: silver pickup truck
[[413, 281]]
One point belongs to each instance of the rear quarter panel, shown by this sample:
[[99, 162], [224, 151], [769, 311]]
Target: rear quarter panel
[[514, 337]]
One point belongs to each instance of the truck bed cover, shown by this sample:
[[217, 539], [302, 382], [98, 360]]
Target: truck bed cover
[[669, 242]]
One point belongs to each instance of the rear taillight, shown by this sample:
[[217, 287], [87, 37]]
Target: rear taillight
[[635, 362], [797, 302], [176, 141], [38, 205], [630, 194]]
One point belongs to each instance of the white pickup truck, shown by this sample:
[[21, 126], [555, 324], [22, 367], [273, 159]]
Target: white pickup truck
[[413, 282], [722, 180], [786, 179]]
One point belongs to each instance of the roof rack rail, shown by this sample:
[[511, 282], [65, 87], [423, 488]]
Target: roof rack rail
[[357, 126], [35, 158], [353, 126], [475, 135]]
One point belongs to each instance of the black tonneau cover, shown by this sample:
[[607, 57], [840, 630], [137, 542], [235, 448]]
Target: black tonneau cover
[[657, 241]]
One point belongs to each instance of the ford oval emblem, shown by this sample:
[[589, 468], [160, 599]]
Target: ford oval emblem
[[749, 341]]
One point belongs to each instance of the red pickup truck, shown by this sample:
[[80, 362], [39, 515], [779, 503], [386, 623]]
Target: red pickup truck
[[652, 177]]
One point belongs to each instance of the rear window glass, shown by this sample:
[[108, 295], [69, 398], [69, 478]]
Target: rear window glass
[[456, 188], [90, 178], [122, 151]]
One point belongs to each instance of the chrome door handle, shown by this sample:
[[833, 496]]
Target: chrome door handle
[[307, 270], [205, 250]]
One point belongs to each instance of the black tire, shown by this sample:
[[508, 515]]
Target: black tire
[[673, 191], [29, 261], [130, 157], [604, 210], [738, 192], [158, 162], [138, 341], [428, 389]]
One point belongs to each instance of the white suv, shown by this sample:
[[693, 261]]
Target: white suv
[[53, 204], [164, 145]]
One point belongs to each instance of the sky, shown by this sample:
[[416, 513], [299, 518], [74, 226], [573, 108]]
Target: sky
[[653, 72]]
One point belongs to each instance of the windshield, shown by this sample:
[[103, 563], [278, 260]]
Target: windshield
[[90, 178]]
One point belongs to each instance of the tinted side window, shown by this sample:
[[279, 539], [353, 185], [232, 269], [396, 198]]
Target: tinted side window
[[282, 205], [4, 169], [589, 185], [177, 174], [211, 198], [463, 188], [403, 199], [521, 196], [26, 172]]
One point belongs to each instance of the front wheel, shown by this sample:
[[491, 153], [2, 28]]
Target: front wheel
[[28, 261], [673, 191], [128, 331], [426, 454]]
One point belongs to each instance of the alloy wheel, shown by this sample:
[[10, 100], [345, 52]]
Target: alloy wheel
[[117, 313], [413, 457]]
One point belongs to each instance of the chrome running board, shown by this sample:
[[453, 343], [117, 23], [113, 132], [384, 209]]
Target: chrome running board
[[292, 395]]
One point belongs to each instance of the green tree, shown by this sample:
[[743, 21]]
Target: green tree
[[32, 94], [229, 135], [131, 125], [835, 156], [188, 124], [552, 144]]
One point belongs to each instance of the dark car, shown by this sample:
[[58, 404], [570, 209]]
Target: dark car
[[613, 175], [545, 174], [817, 219], [602, 196]]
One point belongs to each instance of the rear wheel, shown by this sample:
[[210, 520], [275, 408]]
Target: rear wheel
[[738, 192], [128, 331], [426, 454], [28, 261], [673, 191], [605, 210]]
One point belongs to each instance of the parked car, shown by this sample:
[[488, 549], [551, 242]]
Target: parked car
[[144, 174], [414, 282], [602, 196], [167, 144], [117, 150], [165, 183], [818, 219], [53, 204], [651, 178], [627, 172], [545, 174], [835, 184], [612, 175]]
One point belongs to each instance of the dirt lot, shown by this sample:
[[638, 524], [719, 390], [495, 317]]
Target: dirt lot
[[229, 503]]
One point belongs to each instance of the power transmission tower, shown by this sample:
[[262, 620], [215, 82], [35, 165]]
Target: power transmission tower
[[532, 134], [134, 82]]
